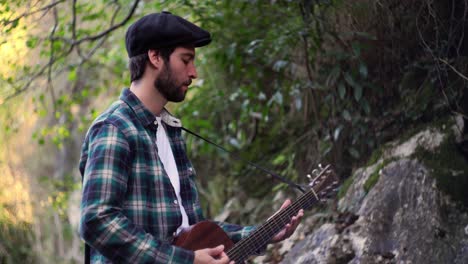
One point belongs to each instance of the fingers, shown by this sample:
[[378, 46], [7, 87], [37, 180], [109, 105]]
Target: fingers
[[300, 213], [285, 204], [222, 259], [219, 256], [289, 228], [296, 220], [216, 250], [214, 255]]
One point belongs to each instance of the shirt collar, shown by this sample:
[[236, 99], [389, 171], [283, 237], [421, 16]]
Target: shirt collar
[[144, 115], [169, 119]]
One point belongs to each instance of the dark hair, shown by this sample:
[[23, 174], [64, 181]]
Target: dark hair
[[137, 64]]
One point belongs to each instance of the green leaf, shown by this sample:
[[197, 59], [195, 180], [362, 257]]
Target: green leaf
[[333, 76], [336, 134], [57, 46], [365, 106], [349, 79], [358, 92], [85, 93], [363, 70], [279, 187], [341, 90], [72, 75], [276, 98], [365, 35], [280, 65], [32, 42], [357, 87], [354, 153], [280, 159], [91, 16], [356, 48], [346, 115]]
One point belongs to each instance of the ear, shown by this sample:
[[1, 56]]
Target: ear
[[155, 60]]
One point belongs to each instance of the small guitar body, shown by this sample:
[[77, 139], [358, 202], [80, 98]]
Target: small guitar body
[[202, 235]]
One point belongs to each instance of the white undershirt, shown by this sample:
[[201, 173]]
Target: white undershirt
[[167, 158]]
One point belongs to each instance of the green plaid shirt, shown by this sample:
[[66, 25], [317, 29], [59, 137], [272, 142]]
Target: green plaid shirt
[[129, 210]]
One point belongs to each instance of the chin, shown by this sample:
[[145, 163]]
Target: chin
[[178, 99]]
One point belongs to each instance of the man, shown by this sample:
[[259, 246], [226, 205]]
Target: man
[[138, 184]]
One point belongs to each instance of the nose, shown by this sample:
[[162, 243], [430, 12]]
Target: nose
[[192, 71]]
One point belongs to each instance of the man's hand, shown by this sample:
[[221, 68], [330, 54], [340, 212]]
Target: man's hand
[[211, 255], [289, 229]]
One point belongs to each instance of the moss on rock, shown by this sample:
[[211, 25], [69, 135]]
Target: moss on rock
[[374, 177], [449, 167], [344, 187]]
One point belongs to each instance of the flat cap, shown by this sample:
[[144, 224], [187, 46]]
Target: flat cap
[[160, 30]]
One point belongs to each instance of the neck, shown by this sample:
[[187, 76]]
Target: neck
[[149, 96]]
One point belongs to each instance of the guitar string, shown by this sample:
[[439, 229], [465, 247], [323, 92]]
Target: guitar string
[[269, 224], [255, 237], [259, 238]]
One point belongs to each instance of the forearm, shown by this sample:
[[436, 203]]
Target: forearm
[[114, 236]]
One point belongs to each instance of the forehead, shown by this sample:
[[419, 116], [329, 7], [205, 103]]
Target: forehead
[[184, 51]]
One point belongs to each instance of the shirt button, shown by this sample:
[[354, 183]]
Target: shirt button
[[155, 122], [176, 202]]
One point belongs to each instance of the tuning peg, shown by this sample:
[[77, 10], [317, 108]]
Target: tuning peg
[[315, 172]]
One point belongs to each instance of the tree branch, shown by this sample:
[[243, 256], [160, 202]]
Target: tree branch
[[72, 42], [50, 86], [101, 42], [109, 30], [26, 14], [454, 69]]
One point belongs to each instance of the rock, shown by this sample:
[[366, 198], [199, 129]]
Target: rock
[[402, 218], [316, 246]]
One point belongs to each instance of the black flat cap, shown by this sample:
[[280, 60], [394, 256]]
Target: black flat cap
[[160, 30]]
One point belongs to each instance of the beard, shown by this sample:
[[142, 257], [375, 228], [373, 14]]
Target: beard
[[169, 87]]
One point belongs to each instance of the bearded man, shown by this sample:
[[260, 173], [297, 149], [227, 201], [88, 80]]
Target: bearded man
[[139, 187]]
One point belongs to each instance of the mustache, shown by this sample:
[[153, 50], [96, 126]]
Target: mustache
[[187, 83]]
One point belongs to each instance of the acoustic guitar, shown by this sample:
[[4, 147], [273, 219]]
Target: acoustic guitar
[[207, 234]]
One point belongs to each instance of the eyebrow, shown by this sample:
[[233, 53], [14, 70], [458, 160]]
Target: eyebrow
[[188, 54]]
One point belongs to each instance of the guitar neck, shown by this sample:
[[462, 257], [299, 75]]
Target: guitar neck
[[265, 232]]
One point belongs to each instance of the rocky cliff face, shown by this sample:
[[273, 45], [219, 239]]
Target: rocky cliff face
[[409, 206]]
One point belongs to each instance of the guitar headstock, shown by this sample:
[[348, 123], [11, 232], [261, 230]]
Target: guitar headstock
[[323, 182]]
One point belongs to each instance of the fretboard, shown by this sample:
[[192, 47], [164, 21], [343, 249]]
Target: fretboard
[[265, 232]]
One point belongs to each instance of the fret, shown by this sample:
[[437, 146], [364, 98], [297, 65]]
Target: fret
[[264, 233]]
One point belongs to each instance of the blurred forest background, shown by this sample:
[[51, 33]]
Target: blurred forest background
[[287, 84]]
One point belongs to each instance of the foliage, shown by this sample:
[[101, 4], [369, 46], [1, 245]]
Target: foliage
[[312, 81], [16, 202], [16, 242]]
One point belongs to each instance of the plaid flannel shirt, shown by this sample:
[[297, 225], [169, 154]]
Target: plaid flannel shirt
[[129, 210]]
